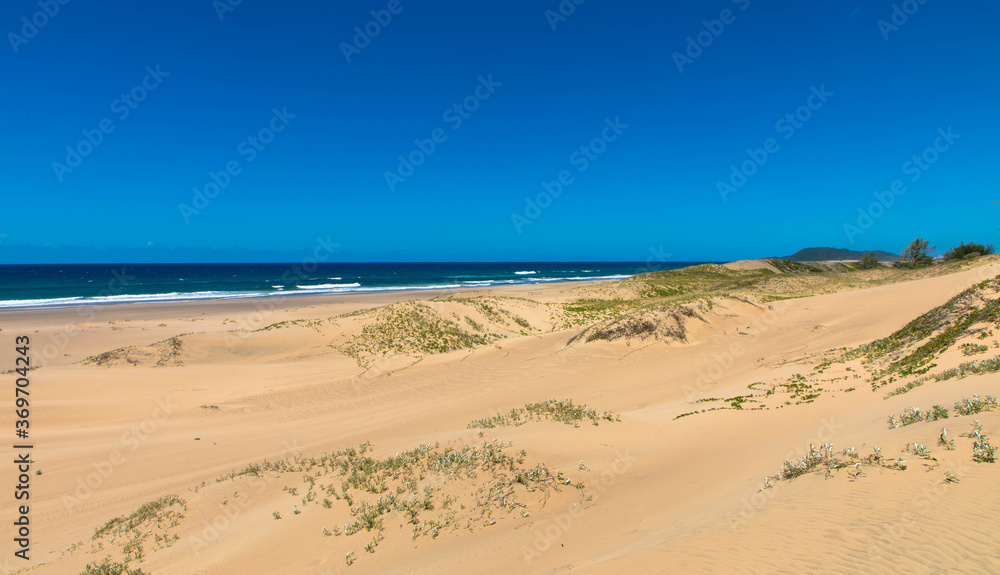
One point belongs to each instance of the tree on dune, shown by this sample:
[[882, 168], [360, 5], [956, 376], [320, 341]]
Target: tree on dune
[[916, 255]]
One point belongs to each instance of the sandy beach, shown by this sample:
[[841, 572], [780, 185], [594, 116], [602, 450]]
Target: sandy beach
[[284, 435]]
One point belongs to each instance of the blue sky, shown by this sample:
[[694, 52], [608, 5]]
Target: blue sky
[[304, 144]]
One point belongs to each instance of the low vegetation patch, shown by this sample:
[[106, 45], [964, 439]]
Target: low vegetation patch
[[166, 353], [432, 489], [131, 533], [973, 348], [412, 328], [551, 409], [913, 349], [668, 322], [827, 460], [109, 567], [964, 407]]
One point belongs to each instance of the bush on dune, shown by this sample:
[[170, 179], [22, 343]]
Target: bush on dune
[[867, 261], [966, 251]]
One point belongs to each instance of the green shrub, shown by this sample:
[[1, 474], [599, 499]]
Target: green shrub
[[965, 251], [973, 348], [868, 261]]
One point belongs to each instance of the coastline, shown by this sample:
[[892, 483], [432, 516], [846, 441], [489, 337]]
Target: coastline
[[53, 286], [125, 418], [279, 300]]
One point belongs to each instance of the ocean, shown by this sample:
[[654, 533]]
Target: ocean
[[60, 285]]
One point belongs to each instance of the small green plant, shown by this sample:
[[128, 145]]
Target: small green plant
[[876, 456], [918, 450], [914, 415], [977, 429], [975, 405], [276, 515], [911, 416], [944, 442], [982, 451], [937, 412], [973, 348]]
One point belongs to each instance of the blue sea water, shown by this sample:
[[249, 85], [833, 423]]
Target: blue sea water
[[58, 285]]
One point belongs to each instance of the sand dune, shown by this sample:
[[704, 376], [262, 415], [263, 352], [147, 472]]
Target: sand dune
[[756, 378]]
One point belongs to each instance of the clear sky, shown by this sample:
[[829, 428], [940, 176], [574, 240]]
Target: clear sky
[[119, 114]]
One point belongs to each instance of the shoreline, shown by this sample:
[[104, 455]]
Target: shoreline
[[259, 296]]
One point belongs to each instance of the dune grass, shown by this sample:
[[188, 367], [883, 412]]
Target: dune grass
[[551, 409]]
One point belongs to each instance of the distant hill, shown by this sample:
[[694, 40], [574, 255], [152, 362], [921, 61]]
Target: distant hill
[[829, 254]]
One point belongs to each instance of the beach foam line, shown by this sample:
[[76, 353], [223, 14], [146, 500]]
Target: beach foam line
[[580, 278], [405, 288], [323, 289], [16, 303], [174, 296], [488, 283], [329, 286], [128, 298]]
